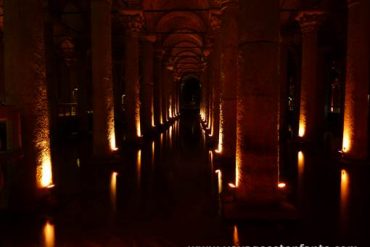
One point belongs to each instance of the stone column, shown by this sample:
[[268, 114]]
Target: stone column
[[284, 93], [257, 102], [204, 92], [214, 71], [356, 107], [147, 106], [2, 83], [165, 93], [26, 89], [311, 115], [158, 120], [135, 24], [229, 61], [104, 140]]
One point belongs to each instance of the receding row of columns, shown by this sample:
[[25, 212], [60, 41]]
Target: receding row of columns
[[151, 96], [242, 91]]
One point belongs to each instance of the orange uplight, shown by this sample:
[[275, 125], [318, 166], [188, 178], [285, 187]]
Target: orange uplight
[[44, 172], [111, 130], [221, 132], [152, 112], [138, 126], [48, 235], [302, 127], [219, 180], [346, 142], [281, 185], [300, 165], [112, 141]]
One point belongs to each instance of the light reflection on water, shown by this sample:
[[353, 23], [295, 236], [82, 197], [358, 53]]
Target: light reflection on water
[[153, 153], [48, 234], [113, 190], [236, 240], [344, 197], [138, 168]]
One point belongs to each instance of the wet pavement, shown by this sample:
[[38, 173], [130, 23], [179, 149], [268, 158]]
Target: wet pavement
[[167, 194]]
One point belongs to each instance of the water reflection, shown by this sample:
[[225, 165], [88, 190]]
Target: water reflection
[[153, 154], [300, 166], [48, 234], [138, 168], [344, 197], [219, 181], [236, 240], [113, 190]]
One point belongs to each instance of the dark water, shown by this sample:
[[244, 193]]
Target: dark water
[[166, 194]]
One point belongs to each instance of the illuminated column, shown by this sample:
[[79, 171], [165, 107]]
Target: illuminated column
[[26, 89], [104, 139], [214, 77], [165, 93], [356, 110], [283, 75], [257, 103], [229, 61], [2, 83], [204, 89], [147, 106], [134, 26], [157, 87], [311, 114]]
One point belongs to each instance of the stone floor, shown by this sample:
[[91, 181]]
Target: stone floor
[[166, 194]]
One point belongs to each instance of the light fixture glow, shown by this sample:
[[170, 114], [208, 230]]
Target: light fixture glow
[[346, 145], [221, 132], [231, 185], [281, 185], [302, 126], [44, 172]]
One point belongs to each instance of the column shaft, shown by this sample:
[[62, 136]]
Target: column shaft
[[104, 141], [132, 87], [26, 89], [356, 107], [311, 115], [257, 102], [229, 61], [157, 89], [147, 106]]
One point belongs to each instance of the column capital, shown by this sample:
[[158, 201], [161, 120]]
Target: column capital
[[134, 20], [215, 20], [1, 15], [310, 20]]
